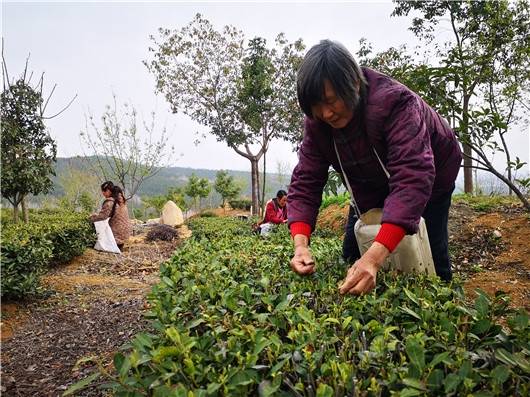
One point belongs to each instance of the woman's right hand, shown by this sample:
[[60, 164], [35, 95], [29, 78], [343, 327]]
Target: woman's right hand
[[302, 261]]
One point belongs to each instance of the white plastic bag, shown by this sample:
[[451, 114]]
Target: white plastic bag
[[413, 253], [266, 228], [106, 241]]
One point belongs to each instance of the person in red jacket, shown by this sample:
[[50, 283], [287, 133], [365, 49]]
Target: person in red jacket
[[275, 212]]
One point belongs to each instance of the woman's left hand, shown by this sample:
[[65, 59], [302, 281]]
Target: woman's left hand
[[361, 277]]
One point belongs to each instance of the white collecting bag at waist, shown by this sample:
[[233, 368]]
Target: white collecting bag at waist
[[106, 240], [413, 253]]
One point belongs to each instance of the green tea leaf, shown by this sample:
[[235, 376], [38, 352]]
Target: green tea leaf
[[305, 315], [243, 378], [411, 296], [166, 280], [280, 365], [505, 357], [451, 382], [213, 387], [410, 392], [520, 321], [500, 374], [410, 312], [482, 304], [481, 327], [435, 379], [81, 384], [439, 358], [415, 383], [261, 344], [194, 323], [416, 353], [324, 390]]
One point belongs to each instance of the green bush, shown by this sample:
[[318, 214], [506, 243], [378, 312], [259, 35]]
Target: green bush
[[232, 319], [339, 199], [243, 204], [28, 249], [207, 214]]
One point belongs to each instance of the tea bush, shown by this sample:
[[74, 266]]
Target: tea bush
[[232, 319], [340, 199], [27, 249], [243, 204]]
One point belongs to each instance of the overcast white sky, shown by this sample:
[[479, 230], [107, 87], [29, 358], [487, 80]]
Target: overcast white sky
[[95, 48]]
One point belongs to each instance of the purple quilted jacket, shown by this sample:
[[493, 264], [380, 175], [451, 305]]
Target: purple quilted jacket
[[417, 146]]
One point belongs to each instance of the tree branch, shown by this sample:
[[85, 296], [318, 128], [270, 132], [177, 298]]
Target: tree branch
[[64, 109]]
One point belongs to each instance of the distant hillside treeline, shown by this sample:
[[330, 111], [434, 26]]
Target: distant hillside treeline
[[169, 177]]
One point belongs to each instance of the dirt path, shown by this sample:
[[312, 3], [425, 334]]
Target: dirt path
[[95, 305]]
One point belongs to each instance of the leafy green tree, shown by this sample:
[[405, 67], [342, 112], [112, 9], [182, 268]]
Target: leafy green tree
[[155, 202], [245, 97], [176, 194], [226, 186], [28, 152], [490, 48], [197, 189], [426, 80]]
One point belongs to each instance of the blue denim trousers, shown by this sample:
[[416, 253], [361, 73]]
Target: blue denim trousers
[[436, 216]]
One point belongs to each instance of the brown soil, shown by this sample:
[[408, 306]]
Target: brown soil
[[510, 269], [93, 306], [333, 218]]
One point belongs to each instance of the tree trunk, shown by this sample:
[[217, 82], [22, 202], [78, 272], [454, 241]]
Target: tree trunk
[[262, 206], [468, 163], [468, 173], [25, 214], [508, 161], [254, 171], [15, 213]]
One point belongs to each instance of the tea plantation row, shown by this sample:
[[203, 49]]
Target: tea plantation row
[[49, 238], [232, 319]]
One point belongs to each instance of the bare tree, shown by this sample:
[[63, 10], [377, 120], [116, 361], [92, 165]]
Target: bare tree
[[125, 150]]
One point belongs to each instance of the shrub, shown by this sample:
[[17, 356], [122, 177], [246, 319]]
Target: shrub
[[243, 204], [28, 249], [161, 232], [207, 214], [231, 318], [339, 199]]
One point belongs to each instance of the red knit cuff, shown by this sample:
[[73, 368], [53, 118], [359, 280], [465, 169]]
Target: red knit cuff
[[390, 235], [300, 228]]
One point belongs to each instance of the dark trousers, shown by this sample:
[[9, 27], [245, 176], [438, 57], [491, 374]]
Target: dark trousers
[[436, 216]]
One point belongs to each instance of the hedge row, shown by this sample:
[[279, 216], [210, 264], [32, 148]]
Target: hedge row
[[28, 249], [231, 319], [242, 204]]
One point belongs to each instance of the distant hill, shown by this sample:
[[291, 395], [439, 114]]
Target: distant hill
[[170, 177]]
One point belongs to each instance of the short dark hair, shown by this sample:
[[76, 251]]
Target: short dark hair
[[281, 193], [329, 60]]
